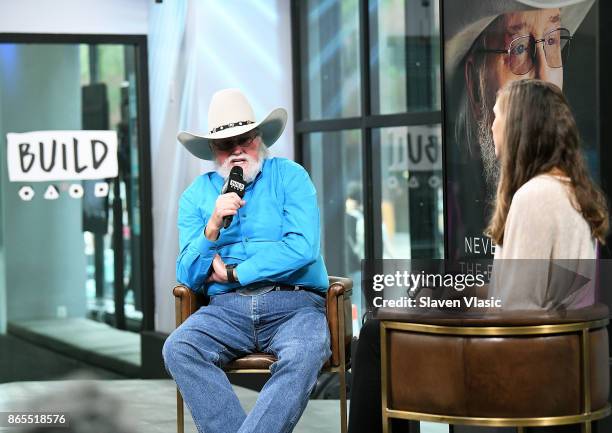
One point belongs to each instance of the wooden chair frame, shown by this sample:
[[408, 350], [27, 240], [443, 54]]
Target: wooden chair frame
[[339, 318]]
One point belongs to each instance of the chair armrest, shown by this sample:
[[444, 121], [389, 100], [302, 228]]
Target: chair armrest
[[339, 318], [187, 302], [338, 285]]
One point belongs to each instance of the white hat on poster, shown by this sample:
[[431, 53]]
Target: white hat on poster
[[465, 20]]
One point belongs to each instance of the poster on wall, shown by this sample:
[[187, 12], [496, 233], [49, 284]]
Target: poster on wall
[[487, 44]]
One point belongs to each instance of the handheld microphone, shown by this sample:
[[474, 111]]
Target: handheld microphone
[[235, 183]]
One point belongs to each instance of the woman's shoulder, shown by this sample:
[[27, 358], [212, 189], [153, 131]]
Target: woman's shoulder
[[543, 189]]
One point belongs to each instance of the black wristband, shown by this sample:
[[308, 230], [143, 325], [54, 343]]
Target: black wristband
[[230, 273]]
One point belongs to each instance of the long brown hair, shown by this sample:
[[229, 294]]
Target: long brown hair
[[540, 136]]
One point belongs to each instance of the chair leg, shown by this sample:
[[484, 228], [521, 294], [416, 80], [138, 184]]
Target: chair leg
[[180, 414], [586, 427], [343, 420], [387, 428]]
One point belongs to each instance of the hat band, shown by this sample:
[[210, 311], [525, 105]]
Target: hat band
[[231, 125]]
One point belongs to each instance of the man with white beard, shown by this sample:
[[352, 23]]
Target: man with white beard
[[264, 275], [489, 43]]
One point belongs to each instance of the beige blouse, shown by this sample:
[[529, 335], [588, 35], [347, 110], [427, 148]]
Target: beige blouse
[[547, 260]]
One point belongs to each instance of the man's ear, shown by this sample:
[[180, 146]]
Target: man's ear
[[472, 84]]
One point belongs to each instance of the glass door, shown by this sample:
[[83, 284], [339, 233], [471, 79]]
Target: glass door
[[73, 195]]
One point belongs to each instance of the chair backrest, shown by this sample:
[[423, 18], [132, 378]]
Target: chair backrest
[[498, 367]]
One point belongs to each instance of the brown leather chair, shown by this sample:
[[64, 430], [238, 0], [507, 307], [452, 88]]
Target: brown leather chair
[[516, 369], [339, 318]]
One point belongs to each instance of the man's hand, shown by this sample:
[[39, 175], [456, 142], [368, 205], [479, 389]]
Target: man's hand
[[227, 204], [219, 273]]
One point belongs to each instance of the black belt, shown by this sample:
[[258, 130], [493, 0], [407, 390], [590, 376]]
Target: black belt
[[292, 288], [284, 287]]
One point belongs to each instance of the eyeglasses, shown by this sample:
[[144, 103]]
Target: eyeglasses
[[227, 144], [522, 50]]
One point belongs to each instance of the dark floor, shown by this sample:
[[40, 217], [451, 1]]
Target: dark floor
[[37, 356], [150, 405]]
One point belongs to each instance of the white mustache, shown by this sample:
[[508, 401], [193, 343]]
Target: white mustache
[[250, 171], [249, 159], [233, 159]]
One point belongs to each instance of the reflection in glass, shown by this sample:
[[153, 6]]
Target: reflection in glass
[[330, 76], [108, 80], [335, 165], [411, 183], [404, 55]]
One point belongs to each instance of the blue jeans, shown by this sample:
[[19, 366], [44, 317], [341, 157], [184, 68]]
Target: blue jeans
[[291, 325]]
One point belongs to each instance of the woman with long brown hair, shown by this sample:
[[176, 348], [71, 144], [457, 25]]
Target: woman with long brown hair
[[547, 206]]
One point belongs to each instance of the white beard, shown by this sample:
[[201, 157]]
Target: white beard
[[249, 172]]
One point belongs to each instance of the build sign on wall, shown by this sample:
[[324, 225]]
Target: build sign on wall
[[48, 156], [43, 156]]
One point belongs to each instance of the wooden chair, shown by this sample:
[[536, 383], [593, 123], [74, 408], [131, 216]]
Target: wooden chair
[[339, 318]]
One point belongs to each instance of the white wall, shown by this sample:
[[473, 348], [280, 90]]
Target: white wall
[[197, 47], [74, 16]]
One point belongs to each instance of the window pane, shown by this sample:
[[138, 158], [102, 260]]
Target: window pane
[[89, 224], [404, 55], [334, 162], [411, 179], [330, 59]]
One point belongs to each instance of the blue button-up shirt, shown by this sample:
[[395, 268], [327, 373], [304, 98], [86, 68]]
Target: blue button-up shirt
[[274, 237]]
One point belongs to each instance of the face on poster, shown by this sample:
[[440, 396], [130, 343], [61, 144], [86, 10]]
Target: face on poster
[[488, 44]]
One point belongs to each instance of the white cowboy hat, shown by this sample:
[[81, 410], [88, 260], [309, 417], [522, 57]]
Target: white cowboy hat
[[466, 19], [229, 115]]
